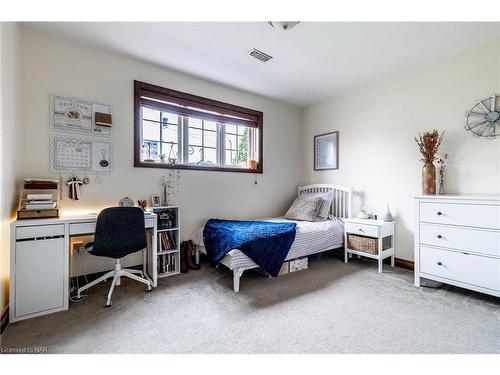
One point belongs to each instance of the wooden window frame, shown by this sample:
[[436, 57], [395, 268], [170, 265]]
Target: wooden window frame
[[182, 98]]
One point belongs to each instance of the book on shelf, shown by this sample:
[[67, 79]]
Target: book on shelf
[[167, 241]]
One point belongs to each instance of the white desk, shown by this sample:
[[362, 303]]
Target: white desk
[[39, 262]]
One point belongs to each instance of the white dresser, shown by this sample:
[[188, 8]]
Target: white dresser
[[457, 241]]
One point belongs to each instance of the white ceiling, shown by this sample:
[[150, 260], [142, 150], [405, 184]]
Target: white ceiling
[[312, 61]]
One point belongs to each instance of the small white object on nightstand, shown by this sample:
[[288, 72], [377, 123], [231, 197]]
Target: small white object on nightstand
[[370, 229]]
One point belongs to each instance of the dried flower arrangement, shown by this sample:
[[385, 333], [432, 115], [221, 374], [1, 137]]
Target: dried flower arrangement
[[428, 144]]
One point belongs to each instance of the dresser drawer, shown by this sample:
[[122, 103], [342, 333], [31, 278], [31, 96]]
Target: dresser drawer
[[467, 239], [39, 231], [482, 216], [466, 268], [362, 229], [82, 228]]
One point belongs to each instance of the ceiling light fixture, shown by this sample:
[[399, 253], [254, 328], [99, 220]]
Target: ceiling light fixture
[[284, 25]]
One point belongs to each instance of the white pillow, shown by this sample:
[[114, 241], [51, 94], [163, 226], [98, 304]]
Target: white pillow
[[304, 207]]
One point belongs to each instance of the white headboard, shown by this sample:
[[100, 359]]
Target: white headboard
[[342, 197]]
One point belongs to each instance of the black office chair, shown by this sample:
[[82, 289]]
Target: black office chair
[[119, 232]]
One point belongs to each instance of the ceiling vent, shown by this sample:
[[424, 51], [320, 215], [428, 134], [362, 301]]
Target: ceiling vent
[[259, 55]]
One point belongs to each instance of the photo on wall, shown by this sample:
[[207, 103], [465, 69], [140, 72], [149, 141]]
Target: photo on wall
[[326, 151]]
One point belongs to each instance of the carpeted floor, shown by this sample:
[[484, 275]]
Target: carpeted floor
[[330, 308]]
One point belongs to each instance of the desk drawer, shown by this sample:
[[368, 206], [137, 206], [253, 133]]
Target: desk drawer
[[82, 228], [482, 216], [466, 268], [362, 229], [38, 231], [467, 239]]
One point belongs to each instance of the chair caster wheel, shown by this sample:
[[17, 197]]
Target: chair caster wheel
[[149, 288], [109, 304]]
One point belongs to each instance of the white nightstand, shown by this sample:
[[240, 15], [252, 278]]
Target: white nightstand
[[370, 234]]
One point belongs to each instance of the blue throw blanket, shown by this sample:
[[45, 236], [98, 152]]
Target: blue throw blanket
[[266, 243]]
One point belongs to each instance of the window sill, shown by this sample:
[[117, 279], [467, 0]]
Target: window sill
[[146, 164]]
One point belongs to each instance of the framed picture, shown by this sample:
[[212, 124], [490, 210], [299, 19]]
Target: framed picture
[[326, 151], [155, 201]]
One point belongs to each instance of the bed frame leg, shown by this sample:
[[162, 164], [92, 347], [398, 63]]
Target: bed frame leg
[[236, 279]]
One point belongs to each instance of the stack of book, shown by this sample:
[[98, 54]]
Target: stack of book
[[167, 241], [39, 202], [167, 263]]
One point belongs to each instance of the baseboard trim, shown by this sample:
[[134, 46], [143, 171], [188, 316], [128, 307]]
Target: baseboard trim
[[404, 263], [4, 319]]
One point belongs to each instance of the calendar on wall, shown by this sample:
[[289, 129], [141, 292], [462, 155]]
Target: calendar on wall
[[73, 155]]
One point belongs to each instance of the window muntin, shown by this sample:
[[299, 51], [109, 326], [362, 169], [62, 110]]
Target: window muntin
[[196, 136]]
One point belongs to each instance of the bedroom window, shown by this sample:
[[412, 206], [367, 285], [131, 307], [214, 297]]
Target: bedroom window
[[175, 129]]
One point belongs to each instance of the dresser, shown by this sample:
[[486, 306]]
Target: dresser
[[457, 241]]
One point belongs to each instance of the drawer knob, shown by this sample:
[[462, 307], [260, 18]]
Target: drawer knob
[[361, 230], [439, 213], [440, 264], [439, 236]]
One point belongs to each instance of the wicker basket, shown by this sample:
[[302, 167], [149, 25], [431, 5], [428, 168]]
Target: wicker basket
[[367, 244]]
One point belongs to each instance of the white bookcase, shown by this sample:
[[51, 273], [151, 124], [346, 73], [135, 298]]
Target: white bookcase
[[168, 262]]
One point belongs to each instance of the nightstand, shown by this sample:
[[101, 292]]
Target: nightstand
[[369, 238]]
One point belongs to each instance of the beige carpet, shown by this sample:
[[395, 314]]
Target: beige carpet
[[330, 308]]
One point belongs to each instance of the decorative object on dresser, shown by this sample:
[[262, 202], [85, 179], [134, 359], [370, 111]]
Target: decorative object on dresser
[[326, 151], [142, 203], [388, 215], [155, 201], [168, 253], [483, 119], [428, 144], [442, 171], [369, 238], [457, 241]]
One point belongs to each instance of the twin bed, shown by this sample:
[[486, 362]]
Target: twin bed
[[312, 237]]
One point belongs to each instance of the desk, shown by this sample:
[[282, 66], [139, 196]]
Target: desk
[[39, 262]]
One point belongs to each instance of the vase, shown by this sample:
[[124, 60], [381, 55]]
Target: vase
[[429, 179]]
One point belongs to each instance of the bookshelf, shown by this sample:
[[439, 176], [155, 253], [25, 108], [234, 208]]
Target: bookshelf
[[168, 242]]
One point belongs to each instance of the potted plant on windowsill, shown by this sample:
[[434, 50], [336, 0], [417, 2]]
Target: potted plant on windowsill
[[428, 144], [163, 158]]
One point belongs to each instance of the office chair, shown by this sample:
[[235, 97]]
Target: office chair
[[119, 232]]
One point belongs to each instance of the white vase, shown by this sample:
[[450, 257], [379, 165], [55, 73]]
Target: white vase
[[387, 216]]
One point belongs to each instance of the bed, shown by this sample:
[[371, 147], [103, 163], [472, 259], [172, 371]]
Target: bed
[[311, 237]]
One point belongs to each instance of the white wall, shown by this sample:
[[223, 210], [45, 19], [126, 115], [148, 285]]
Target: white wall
[[10, 123], [378, 123], [57, 66]]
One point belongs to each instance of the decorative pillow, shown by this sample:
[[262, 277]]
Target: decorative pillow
[[325, 204], [304, 207]]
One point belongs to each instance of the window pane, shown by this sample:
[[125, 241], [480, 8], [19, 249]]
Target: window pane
[[150, 114], [195, 122], [170, 133], [195, 137], [231, 129], [195, 155], [231, 142], [210, 156], [170, 150], [242, 155], [210, 125], [169, 118], [151, 130], [210, 139], [150, 150]]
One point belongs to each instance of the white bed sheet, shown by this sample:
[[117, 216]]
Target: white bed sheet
[[310, 238]]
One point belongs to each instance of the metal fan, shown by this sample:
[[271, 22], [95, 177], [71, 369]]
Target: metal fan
[[483, 120]]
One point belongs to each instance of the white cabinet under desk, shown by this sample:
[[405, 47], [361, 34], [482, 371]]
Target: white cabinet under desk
[[457, 241], [39, 262]]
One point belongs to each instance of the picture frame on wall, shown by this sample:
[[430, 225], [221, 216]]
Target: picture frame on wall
[[326, 151]]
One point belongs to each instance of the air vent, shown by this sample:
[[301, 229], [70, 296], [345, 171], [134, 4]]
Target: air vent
[[259, 55]]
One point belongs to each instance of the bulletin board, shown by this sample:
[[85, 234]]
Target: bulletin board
[[75, 115], [80, 155]]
